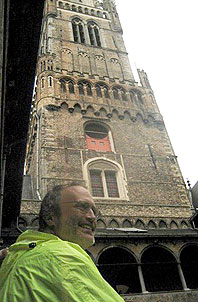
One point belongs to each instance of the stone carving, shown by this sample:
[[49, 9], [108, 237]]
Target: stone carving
[[67, 51], [99, 57], [114, 61], [83, 54]]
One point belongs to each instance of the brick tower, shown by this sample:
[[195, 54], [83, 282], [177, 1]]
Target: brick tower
[[92, 122]]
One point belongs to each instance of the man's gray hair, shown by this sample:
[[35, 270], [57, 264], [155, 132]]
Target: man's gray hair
[[50, 204]]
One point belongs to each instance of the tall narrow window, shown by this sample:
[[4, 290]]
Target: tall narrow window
[[115, 93], [94, 34], [78, 31], [89, 91], [96, 183], [106, 92], [50, 81], [71, 87], [42, 83], [98, 91], [81, 88], [111, 183], [123, 93], [132, 96]]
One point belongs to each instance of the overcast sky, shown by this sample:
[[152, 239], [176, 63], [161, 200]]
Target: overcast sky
[[161, 37]]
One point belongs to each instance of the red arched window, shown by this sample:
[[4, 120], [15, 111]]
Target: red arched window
[[97, 137]]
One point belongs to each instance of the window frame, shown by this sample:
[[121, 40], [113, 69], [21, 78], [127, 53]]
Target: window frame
[[103, 179], [104, 164]]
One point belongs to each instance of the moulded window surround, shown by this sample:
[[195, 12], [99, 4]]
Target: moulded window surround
[[115, 94], [98, 13], [63, 88], [89, 91], [85, 86], [78, 31], [106, 92], [71, 87], [98, 91], [123, 93], [110, 174], [50, 81], [94, 35], [67, 84], [81, 88], [80, 9], [42, 83], [139, 96], [132, 96], [74, 8]]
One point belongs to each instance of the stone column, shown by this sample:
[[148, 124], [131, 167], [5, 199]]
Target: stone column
[[142, 283], [181, 274]]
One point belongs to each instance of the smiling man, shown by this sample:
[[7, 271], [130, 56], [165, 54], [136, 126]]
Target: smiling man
[[51, 264]]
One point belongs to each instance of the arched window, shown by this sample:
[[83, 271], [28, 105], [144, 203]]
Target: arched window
[[80, 9], [67, 85], [132, 96], [94, 34], [86, 11], [78, 31], [81, 88], [115, 93], [139, 97], [106, 92], [160, 270], [89, 91], [120, 268], [98, 13], [42, 83], [189, 264], [102, 90], [84, 86], [123, 93], [74, 8], [105, 178], [71, 86], [97, 137], [50, 81], [98, 91]]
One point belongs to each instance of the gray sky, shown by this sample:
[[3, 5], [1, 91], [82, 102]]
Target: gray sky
[[161, 38]]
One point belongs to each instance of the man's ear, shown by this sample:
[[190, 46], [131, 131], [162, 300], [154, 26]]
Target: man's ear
[[51, 222]]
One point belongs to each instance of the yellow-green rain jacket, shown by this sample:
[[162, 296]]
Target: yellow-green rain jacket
[[41, 267]]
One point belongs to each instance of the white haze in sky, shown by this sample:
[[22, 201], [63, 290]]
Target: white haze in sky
[[161, 37]]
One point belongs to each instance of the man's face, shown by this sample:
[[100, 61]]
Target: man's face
[[77, 222]]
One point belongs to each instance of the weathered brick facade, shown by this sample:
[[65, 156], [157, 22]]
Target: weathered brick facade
[[152, 193]]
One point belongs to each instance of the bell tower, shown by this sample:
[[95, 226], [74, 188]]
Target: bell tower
[[92, 122]]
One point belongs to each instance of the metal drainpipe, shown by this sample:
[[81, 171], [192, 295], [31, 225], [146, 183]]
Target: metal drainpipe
[[2, 191], [37, 157]]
